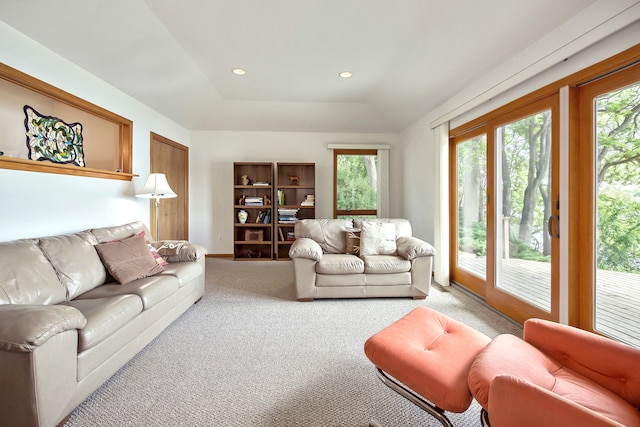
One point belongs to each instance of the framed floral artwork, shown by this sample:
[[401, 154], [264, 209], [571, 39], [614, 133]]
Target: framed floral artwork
[[51, 139]]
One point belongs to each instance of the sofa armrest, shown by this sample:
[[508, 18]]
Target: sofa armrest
[[590, 355], [412, 247], [304, 247], [515, 402], [179, 250], [24, 327]]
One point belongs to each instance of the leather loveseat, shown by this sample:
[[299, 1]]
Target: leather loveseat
[[344, 258], [67, 324]]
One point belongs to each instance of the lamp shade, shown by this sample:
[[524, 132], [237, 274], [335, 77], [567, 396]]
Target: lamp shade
[[156, 187]]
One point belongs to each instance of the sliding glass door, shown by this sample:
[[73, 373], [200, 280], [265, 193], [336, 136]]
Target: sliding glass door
[[608, 267], [506, 210]]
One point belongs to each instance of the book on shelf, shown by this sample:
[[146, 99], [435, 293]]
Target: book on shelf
[[309, 200], [260, 184], [253, 201], [281, 234], [264, 217], [288, 211], [287, 215], [291, 235]]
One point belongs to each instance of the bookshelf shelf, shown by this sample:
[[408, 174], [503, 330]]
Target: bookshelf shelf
[[249, 248], [295, 184]]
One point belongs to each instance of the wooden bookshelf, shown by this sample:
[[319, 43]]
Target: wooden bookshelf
[[253, 240], [295, 185]]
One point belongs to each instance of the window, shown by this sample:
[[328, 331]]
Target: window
[[355, 183]]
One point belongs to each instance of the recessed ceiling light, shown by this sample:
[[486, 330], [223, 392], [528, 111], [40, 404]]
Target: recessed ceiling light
[[239, 71], [345, 74]]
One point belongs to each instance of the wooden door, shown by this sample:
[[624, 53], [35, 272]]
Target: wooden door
[[172, 159]]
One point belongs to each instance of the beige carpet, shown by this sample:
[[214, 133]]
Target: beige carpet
[[250, 355]]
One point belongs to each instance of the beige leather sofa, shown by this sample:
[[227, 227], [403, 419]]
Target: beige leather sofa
[[343, 258], [66, 326]]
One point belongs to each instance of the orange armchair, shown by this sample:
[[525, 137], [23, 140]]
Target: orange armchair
[[557, 375]]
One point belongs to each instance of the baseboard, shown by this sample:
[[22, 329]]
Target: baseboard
[[219, 255], [482, 301]]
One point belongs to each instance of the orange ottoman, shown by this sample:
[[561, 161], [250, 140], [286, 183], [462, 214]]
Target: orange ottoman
[[430, 354]]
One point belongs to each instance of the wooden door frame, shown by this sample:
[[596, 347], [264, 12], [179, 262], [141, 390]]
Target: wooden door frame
[[514, 307], [182, 191]]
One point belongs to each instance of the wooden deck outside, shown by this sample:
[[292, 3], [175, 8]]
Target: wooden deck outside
[[617, 294]]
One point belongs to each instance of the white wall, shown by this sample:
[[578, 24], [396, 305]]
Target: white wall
[[36, 204], [211, 179]]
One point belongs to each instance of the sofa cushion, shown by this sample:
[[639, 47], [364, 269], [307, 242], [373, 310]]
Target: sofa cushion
[[403, 226], [128, 259], [104, 317], [329, 233], [119, 232], [151, 290], [75, 260], [26, 276], [340, 264], [383, 264], [183, 271], [377, 238]]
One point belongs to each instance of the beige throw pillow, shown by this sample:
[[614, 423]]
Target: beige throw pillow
[[378, 238], [128, 259]]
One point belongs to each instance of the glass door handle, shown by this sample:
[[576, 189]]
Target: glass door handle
[[554, 219]]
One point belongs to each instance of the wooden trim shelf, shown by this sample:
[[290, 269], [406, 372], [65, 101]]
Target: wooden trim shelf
[[57, 168], [125, 131]]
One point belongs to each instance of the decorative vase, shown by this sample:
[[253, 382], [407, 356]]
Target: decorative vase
[[242, 216]]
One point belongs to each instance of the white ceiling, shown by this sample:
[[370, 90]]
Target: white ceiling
[[406, 56]]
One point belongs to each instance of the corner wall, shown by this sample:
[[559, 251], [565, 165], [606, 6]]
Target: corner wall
[[213, 154], [37, 204]]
